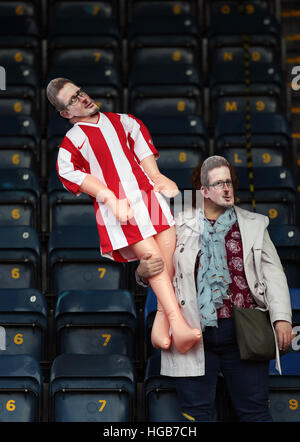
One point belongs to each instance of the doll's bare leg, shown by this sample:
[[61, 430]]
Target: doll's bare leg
[[184, 336], [166, 241]]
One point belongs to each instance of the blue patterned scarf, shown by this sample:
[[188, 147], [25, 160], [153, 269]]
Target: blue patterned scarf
[[213, 275]]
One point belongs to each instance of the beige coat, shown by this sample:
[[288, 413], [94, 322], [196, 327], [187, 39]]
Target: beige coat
[[255, 237]]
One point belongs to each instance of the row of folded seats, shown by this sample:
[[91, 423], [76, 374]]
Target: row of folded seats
[[103, 323], [193, 105]]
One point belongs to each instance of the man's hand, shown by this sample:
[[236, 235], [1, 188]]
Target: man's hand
[[149, 266], [284, 334]]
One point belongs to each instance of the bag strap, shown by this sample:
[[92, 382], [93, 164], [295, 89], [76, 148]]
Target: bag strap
[[257, 264]]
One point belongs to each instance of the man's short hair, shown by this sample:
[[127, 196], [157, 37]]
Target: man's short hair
[[209, 164], [53, 88], [200, 174]]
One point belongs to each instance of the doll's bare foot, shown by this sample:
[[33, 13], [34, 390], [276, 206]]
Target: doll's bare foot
[[160, 335], [184, 337]]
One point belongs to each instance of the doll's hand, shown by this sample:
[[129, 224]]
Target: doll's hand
[[121, 209], [165, 186]]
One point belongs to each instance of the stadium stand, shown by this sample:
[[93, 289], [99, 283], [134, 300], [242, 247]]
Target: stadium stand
[[206, 77]]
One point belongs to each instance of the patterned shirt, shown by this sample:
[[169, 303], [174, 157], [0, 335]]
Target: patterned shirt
[[241, 295]]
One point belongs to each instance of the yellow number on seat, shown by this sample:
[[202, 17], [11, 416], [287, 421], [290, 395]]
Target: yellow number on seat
[[107, 339], [15, 273], [103, 403], [15, 213], [11, 405], [102, 271], [293, 404], [18, 339]]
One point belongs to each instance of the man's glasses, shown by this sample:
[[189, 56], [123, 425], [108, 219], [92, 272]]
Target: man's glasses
[[74, 100], [220, 184]]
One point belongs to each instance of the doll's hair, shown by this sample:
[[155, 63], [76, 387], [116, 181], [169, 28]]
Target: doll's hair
[[53, 88], [200, 177]]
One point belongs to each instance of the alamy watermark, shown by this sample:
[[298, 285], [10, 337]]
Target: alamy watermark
[[2, 78], [296, 79], [2, 338]]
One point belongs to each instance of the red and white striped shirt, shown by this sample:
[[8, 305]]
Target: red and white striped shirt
[[112, 150]]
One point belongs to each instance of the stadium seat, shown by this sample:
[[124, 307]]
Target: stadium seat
[[275, 193], [16, 106], [140, 9], [295, 303], [229, 79], [165, 89], [66, 209], [261, 30], [57, 127], [95, 322], [19, 135], [284, 392], [233, 7], [22, 81], [287, 242], [85, 30], [20, 258], [75, 263], [20, 389], [177, 131], [19, 31], [23, 314], [92, 388], [160, 397], [267, 130], [149, 315], [233, 55], [19, 198]]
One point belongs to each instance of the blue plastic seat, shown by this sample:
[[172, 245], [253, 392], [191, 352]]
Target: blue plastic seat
[[267, 130], [22, 81], [233, 7], [275, 193], [96, 322], [287, 242], [16, 106], [84, 31], [160, 397], [92, 388], [168, 84], [233, 55], [20, 258], [177, 131], [170, 8], [266, 79], [75, 263], [20, 132], [262, 29], [20, 389], [295, 303], [19, 31], [66, 209], [23, 314], [19, 197], [57, 127], [284, 391], [149, 315]]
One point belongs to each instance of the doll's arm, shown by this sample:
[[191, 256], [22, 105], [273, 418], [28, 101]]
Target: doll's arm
[[94, 187], [161, 183]]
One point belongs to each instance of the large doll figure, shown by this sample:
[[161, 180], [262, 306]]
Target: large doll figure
[[111, 157]]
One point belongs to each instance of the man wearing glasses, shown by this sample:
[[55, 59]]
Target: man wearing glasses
[[214, 269]]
